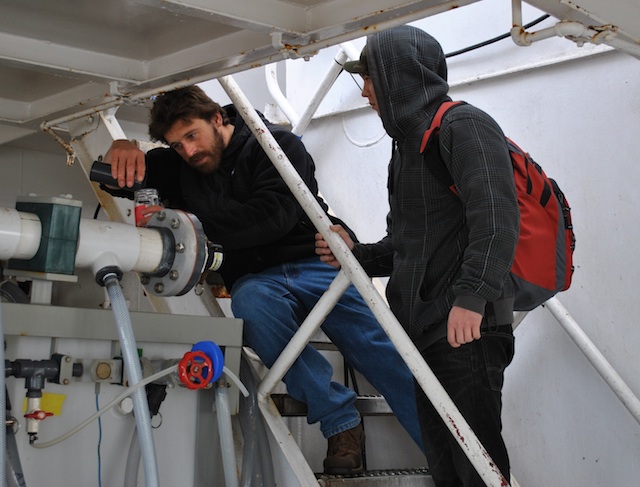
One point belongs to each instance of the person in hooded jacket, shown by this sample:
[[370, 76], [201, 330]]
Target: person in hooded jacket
[[448, 255], [216, 169]]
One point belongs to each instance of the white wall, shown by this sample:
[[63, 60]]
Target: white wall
[[43, 173]]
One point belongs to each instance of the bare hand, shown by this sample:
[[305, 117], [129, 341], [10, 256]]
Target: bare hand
[[323, 250], [463, 326], [127, 162]]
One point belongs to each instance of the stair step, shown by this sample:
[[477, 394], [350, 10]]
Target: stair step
[[371, 405], [380, 478]]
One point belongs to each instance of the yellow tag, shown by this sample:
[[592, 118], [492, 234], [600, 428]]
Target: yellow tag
[[50, 403]]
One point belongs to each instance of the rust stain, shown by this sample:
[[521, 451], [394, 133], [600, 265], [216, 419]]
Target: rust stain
[[455, 426], [292, 47], [503, 481]]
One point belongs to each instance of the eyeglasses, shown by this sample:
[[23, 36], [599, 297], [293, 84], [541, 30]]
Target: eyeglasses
[[355, 80]]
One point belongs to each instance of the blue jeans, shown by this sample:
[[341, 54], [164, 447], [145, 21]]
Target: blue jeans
[[276, 301], [473, 376]]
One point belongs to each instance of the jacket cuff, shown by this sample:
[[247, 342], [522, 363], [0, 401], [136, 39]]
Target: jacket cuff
[[471, 302], [357, 251]]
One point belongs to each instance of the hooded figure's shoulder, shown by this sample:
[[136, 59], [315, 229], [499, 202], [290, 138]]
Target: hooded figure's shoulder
[[464, 116]]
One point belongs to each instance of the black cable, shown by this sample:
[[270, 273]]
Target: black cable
[[495, 39], [95, 214]]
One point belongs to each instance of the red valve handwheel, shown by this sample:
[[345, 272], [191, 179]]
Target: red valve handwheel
[[195, 370], [38, 415]]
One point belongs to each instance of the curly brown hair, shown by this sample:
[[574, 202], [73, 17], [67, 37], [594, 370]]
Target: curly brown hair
[[181, 104]]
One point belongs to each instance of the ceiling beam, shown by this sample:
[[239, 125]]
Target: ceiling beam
[[264, 16]]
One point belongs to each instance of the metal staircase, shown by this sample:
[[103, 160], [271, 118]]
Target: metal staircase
[[369, 406], [380, 478]]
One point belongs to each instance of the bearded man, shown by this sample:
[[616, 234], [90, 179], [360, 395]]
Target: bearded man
[[216, 169]]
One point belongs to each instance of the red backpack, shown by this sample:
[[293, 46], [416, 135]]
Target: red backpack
[[543, 263]]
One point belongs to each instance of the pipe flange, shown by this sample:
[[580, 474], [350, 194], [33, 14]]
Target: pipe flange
[[186, 260]]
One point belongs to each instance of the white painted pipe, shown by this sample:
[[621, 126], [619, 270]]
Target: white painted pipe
[[322, 90], [576, 31], [516, 13], [450, 414], [20, 234], [103, 244], [350, 51], [305, 332], [271, 75], [604, 368], [223, 415], [572, 29], [624, 46], [100, 243]]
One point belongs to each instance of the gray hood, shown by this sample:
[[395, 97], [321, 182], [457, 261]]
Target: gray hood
[[411, 83]]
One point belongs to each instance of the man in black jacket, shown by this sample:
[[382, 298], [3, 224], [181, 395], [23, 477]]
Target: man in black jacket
[[448, 253], [216, 169]]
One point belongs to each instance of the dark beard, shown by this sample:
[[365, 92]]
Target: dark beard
[[213, 156]]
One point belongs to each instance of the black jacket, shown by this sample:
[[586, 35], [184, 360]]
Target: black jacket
[[440, 249], [245, 205]]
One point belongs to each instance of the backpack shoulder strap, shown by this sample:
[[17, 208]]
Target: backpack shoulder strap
[[434, 128], [430, 147]]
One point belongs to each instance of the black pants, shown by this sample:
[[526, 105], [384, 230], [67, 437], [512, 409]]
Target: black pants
[[472, 375]]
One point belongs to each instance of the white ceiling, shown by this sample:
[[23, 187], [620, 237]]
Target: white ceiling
[[60, 58]]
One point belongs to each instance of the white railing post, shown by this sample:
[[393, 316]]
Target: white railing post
[[325, 85], [312, 322], [604, 368]]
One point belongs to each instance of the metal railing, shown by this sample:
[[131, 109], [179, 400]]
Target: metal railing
[[597, 359], [591, 352], [351, 272]]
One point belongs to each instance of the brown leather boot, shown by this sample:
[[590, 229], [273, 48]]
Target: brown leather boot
[[344, 452]]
